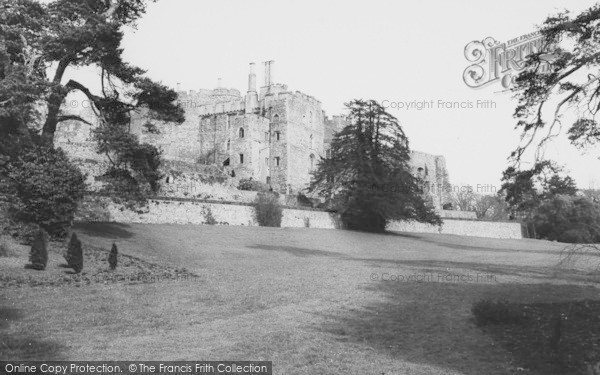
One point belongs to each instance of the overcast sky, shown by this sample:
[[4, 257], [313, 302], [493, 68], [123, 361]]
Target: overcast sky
[[340, 50]]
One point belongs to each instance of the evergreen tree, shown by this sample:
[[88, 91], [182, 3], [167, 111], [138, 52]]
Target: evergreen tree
[[74, 256], [112, 257], [367, 177], [38, 255]]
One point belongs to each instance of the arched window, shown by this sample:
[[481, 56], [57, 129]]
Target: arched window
[[311, 141], [228, 145], [241, 132], [312, 161], [275, 117]]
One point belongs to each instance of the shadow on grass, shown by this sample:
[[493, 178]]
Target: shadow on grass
[[445, 244], [299, 251], [431, 323], [494, 270], [103, 229], [24, 345]]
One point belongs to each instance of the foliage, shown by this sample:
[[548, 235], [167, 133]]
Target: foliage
[[463, 197], [40, 41], [568, 219], [208, 216], [267, 210], [490, 207], [524, 190], [250, 184], [562, 77], [448, 206], [38, 256], [112, 257], [303, 200], [46, 188], [367, 176], [74, 256]]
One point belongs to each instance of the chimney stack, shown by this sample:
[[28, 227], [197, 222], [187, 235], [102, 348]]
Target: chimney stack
[[269, 73], [251, 95], [252, 79]]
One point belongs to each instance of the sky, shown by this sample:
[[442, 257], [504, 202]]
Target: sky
[[399, 51]]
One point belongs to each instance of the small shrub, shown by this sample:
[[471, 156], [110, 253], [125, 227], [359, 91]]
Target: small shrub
[[304, 201], [448, 206], [267, 210], [307, 222], [497, 312], [74, 256], [39, 251], [112, 257], [252, 185], [208, 216]]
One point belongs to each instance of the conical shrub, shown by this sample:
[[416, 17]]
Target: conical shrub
[[112, 257], [38, 256], [74, 256]]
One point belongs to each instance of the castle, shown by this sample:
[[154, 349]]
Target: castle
[[271, 134]]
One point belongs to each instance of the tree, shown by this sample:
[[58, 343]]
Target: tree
[[490, 207], [568, 219], [463, 198], [38, 256], [367, 177], [570, 84], [46, 188], [40, 41], [112, 257], [74, 255], [525, 191]]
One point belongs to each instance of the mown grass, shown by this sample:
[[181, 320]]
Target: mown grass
[[306, 299]]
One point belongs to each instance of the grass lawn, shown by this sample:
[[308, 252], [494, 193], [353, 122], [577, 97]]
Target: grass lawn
[[312, 301]]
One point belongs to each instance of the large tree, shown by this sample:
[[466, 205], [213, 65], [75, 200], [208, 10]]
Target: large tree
[[567, 89], [39, 42], [367, 176]]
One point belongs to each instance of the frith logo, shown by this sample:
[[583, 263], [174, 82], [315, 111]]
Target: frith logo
[[493, 61]]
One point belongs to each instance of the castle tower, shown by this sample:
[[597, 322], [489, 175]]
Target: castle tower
[[251, 95]]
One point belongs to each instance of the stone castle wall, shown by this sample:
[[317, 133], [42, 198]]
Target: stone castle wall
[[284, 135]]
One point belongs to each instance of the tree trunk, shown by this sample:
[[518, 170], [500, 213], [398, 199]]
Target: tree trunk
[[54, 102]]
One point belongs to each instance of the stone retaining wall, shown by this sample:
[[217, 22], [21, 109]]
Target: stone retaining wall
[[161, 211]]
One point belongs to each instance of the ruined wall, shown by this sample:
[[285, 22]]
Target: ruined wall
[[432, 170]]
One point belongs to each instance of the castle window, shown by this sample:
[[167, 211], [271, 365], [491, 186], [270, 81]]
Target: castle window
[[277, 160], [241, 158], [228, 145], [312, 162], [278, 135], [266, 136], [266, 161], [241, 132], [275, 118], [311, 141]]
